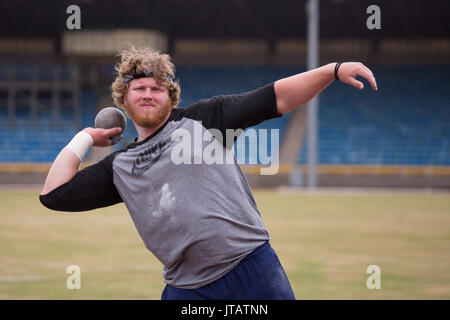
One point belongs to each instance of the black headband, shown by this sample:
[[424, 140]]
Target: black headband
[[146, 73]]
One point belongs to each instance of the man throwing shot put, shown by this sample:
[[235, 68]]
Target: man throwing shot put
[[200, 220]]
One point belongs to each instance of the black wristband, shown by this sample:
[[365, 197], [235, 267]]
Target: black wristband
[[336, 68]]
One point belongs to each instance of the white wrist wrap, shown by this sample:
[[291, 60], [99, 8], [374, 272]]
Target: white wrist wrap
[[80, 144]]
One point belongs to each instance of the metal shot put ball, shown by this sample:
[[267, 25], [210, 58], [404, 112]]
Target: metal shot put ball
[[111, 117]]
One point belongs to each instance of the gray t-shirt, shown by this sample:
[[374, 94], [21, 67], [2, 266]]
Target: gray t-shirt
[[197, 216]]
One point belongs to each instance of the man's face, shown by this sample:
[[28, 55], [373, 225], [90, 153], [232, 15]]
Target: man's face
[[146, 102]]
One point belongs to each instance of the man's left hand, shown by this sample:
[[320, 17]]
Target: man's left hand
[[348, 71]]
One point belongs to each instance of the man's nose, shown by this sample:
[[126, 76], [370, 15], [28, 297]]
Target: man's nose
[[147, 94]]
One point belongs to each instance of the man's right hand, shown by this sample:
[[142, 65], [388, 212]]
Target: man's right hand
[[101, 136], [67, 162]]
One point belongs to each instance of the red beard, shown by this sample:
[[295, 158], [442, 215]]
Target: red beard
[[150, 117]]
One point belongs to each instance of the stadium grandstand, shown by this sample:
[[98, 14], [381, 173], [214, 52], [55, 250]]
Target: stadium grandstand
[[54, 80]]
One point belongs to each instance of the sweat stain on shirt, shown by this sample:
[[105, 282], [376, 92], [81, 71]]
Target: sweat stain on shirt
[[166, 204]]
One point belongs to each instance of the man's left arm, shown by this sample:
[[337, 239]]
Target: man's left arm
[[297, 90]]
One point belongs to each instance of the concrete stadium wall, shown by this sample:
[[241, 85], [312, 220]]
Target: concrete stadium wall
[[359, 181], [373, 177]]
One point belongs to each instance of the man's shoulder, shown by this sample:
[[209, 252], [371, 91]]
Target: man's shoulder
[[195, 110], [201, 103]]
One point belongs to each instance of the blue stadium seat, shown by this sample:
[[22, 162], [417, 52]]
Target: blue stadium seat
[[406, 122]]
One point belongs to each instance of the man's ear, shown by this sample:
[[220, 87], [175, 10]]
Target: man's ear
[[124, 108], [125, 98]]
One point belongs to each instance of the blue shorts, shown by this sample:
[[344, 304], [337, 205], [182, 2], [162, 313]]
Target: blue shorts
[[259, 276]]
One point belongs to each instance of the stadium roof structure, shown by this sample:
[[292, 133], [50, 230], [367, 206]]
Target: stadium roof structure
[[262, 19]]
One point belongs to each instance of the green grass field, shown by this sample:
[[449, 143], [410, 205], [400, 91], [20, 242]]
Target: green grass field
[[325, 241]]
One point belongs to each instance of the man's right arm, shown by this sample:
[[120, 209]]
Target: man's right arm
[[62, 170], [66, 189]]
